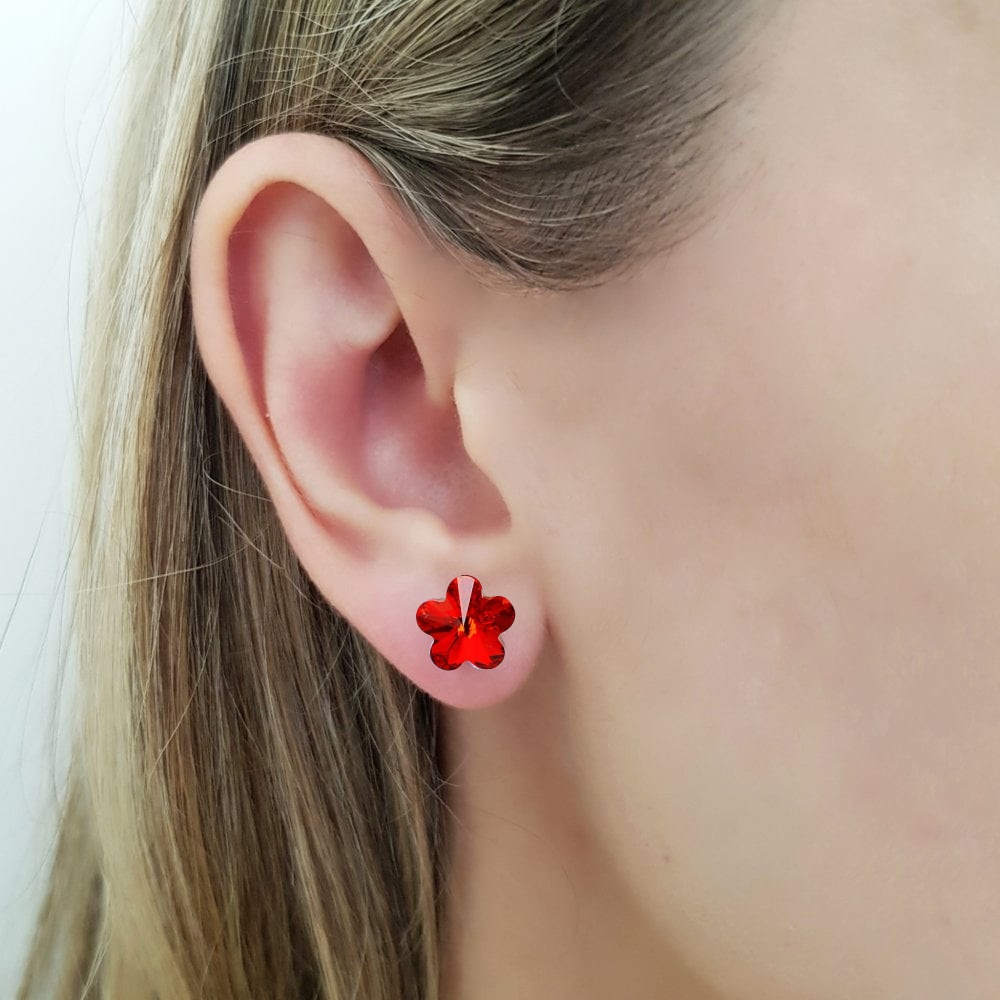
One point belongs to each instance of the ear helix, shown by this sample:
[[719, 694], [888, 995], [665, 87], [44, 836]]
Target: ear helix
[[466, 626]]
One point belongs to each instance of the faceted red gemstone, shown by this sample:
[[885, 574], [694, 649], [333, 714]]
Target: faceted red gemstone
[[471, 635]]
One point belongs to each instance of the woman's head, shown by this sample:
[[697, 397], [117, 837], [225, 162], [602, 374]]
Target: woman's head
[[672, 323]]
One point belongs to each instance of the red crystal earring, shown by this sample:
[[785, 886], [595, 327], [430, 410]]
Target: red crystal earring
[[469, 636]]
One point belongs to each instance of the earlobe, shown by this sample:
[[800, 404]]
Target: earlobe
[[314, 312]]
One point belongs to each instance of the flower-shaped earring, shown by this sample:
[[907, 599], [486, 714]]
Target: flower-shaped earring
[[471, 635]]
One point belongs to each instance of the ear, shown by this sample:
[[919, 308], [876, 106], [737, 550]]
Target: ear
[[332, 331]]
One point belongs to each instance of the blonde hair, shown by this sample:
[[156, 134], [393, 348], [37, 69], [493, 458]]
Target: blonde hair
[[255, 805]]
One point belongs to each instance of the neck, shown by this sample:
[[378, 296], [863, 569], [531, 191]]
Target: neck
[[535, 909]]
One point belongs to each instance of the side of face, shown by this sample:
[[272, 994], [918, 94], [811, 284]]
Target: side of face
[[764, 481]]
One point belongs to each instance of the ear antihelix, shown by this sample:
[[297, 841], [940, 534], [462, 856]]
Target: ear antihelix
[[466, 625]]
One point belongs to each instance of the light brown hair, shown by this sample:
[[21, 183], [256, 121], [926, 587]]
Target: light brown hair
[[256, 805]]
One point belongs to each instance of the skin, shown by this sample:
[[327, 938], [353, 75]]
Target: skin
[[745, 740]]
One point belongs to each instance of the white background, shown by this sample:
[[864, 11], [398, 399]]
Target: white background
[[60, 66]]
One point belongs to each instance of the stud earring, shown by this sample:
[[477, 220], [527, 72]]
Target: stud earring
[[466, 626]]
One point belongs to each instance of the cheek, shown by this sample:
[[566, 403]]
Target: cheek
[[787, 681], [818, 538]]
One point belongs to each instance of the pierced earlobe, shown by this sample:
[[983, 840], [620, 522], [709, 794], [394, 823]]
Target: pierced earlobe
[[471, 635]]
